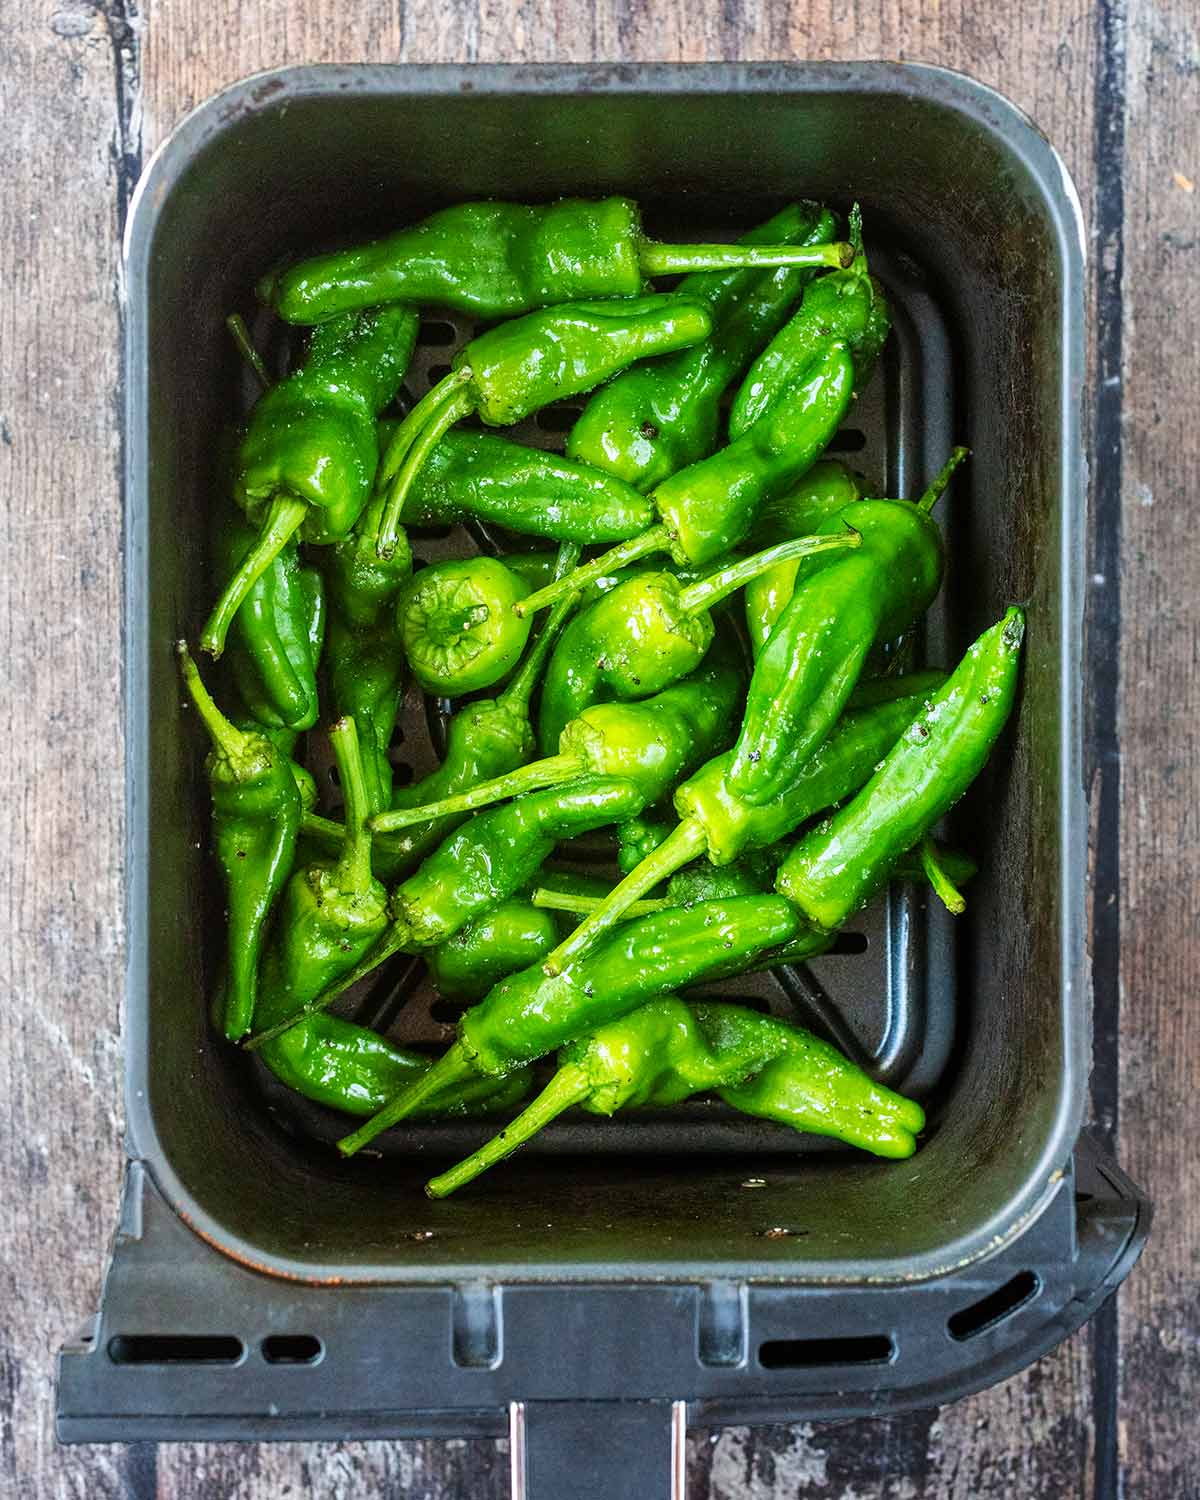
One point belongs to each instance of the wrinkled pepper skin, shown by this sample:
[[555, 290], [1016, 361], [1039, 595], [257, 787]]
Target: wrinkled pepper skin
[[663, 415], [276, 639], [255, 823], [841, 606], [846, 305], [496, 260], [837, 867], [502, 941], [458, 626], [530, 1014]]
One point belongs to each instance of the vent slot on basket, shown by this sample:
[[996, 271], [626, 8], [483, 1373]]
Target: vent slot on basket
[[997, 1305], [291, 1349], [807, 1354], [174, 1349]]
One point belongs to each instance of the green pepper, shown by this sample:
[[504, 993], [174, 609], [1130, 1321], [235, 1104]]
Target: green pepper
[[646, 633], [276, 637], [666, 1051], [307, 462], [836, 867], [819, 645], [662, 415], [852, 303], [458, 625], [530, 1014], [497, 260], [509, 937], [652, 743], [715, 821], [639, 837], [331, 914], [255, 821], [709, 507]]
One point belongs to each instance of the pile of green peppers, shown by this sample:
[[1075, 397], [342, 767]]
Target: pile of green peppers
[[728, 714]]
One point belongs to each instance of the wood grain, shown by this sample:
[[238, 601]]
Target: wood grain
[[100, 79]]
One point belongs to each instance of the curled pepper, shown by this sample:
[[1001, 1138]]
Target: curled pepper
[[255, 821], [497, 260], [307, 461], [530, 1014], [458, 625], [666, 1051], [836, 867], [514, 369]]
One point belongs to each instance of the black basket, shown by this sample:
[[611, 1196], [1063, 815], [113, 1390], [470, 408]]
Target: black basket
[[620, 1275]]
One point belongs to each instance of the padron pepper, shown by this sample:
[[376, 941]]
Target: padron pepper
[[459, 627], [307, 462], [666, 1051], [646, 633], [837, 866], [255, 821], [715, 821], [509, 937], [530, 1014], [497, 260], [663, 415], [820, 643], [652, 743], [709, 507], [514, 369]]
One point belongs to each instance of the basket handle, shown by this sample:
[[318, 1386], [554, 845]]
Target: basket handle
[[597, 1450]]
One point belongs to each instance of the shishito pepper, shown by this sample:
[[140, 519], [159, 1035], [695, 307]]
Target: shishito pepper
[[646, 633], [666, 1051], [663, 414], [497, 260], [841, 607], [516, 368], [256, 818], [837, 866], [507, 938], [715, 821], [308, 459], [458, 625], [652, 743], [529, 1014]]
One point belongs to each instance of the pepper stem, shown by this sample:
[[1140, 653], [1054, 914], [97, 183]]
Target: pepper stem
[[684, 843], [393, 941], [407, 433], [569, 1086], [657, 259], [656, 539], [233, 743], [521, 684], [460, 404], [284, 518], [944, 888], [324, 831], [353, 871], [936, 490], [550, 771], [709, 591], [453, 1067], [583, 905], [245, 346]]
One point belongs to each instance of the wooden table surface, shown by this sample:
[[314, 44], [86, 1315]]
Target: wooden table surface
[[90, 87]]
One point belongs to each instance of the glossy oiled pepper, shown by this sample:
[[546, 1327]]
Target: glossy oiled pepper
[[331, 914], [646, 633], [276, 637], [709, 507], [255, 821], [663, 415], [817, 650], [458, 625], [308, 460], [836, 867], [502, 941], [652, 743], [500, 259], [365, 660], [526, 490], [496, 854], [528, 1015], [666, 1051], [717, 822], [514, 369], [849, 304]]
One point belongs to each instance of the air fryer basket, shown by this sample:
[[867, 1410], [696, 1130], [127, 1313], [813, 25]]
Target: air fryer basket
[[765, 1281]]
